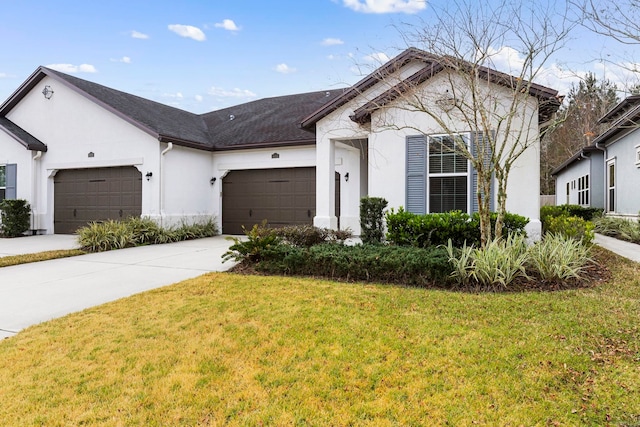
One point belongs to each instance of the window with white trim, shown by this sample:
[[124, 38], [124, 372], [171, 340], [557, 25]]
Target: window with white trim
[[611, 185], [448, 174], [638, 156], [3, 181], [583, 190]]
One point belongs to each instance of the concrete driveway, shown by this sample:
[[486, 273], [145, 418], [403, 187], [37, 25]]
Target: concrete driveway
[[37, 292]]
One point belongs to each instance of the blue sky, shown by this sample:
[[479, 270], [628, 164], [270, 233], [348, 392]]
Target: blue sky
[[208, 54]]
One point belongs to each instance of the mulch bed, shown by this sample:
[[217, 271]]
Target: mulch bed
[[595, 274]]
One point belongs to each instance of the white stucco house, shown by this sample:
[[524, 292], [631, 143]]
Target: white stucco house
[[608, 170], [79, 151]]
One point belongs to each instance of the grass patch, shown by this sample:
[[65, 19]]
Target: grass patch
[[39, 256], [252, 350]]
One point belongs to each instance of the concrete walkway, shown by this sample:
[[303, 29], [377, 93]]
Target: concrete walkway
[[34, 244], [37, 292], [620, 247]]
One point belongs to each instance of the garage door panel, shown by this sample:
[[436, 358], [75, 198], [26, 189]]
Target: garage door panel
[[84, 195], [281, 196]]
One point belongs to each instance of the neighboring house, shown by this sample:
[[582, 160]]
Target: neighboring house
[[79, 151], [580, 179], [610, 168]]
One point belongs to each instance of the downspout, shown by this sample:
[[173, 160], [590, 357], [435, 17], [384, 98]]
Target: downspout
[[35, 221], [162, 154]]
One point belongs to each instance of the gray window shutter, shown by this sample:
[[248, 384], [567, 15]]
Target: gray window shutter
[[11, 181], [416, 174], [476, 139]]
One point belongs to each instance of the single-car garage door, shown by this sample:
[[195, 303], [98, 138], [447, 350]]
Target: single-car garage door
[[84, 195], [281, 196]]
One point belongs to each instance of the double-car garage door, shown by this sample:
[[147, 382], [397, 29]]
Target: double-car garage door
[[98, 194], [279, 196]]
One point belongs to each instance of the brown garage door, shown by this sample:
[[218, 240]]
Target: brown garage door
[[281, 196], [84, 195]]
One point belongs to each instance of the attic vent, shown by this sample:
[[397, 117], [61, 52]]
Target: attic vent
[[327, 94], [231, 117]]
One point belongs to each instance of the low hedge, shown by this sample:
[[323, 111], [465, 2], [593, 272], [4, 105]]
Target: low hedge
[[572, 221], [371, 263], [588, 214], [409, 229], [135, 231]]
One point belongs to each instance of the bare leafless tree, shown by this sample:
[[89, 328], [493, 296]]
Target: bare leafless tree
[[463, 42]]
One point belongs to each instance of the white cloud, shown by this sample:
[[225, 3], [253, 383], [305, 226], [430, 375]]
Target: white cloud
[[4, 76], [234, 93], [138, 35], [227, 24], [188, 31], [199, 98], [386, 6], [331, 42], [284, 69], [70, 68], [124, 60], [177, 95], [379, 57], [625, 75]]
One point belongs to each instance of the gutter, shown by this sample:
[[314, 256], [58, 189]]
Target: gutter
[[35, 221], [161, 184]]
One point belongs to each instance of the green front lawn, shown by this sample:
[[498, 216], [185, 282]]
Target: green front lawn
[[226, 349], [10, 260]]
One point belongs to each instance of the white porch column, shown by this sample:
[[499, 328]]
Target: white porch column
[[325, 185]]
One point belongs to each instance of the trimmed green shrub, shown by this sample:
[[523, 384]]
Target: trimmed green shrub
[[371, 219], [16, 217], [493, 267], [408, 229], [308, 235], [557, 257], [372, 263], [571, 227], [259, 240], [549, 212], [110, 234]]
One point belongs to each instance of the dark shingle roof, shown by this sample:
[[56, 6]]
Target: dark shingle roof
[[22, 136], [167, 122], [265, 122]]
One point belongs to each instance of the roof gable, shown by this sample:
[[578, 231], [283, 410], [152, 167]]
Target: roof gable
[[158, 120], [547, 98]]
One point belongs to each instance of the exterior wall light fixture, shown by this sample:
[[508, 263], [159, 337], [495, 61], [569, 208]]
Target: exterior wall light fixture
[[213, 180], [149, 175], [346, 176], [47, 92]]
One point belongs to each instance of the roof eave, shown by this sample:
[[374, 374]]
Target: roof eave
[[585, 151], [273, 144]]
